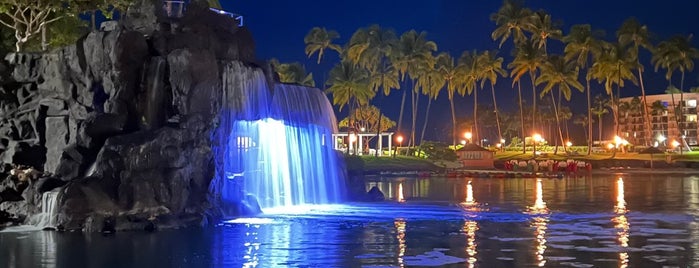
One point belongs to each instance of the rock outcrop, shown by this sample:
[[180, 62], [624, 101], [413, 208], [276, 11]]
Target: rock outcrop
[[120, 122]]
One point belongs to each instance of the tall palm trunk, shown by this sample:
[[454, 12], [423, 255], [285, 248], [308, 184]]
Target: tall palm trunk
[[400, 116], [521, 116], [680, 119], [453, 119], [558, 123], [378, 135], [427, 116], [533, 78], [497, 114], [475, 116], [599, 125], [589, 116], [646, 118]]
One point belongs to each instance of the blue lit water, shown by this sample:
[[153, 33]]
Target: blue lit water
[[635, 221]]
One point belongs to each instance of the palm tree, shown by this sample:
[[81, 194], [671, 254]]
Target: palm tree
[[582, 45], [543, 29], [371, 48], [512, 19], [600, 108], [562, 74], [470, 62], [632, 32], [615, 66], [431, 82], [491, 69], [413, 50], [320, 39], [528, 59], [566, 114], [292, 73], [585, 122], [451, 73], [676, 53], [349, 85]]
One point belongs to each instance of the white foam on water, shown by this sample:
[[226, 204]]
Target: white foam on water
[[432, 258], [662, 231], [656, 258], [670, 240], [21, 229], [559, 246], [562, 258], [668, 248]]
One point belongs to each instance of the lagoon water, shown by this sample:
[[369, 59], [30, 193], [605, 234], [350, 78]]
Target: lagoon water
[[615, 220]]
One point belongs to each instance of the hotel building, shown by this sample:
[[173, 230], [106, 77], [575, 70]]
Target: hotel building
[[665, 125]]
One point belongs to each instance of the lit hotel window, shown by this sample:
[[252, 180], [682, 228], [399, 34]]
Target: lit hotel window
[[691, 103], [692, 118]]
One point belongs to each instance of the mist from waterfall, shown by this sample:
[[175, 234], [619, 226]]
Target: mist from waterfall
[[274, 145]]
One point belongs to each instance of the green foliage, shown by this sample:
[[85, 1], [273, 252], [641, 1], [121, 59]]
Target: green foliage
[[61, 33], [367, 117], [293, 73], [437, 151], [318, 40]]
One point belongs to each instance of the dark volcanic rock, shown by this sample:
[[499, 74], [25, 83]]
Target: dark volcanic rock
[[92, 120]]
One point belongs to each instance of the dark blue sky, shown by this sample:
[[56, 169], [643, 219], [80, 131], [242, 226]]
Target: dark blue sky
[[455, 25]]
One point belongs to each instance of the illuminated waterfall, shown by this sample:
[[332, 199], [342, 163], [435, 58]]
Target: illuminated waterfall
[[274, 145]]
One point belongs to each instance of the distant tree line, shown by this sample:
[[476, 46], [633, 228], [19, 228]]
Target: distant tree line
[[376, 59]]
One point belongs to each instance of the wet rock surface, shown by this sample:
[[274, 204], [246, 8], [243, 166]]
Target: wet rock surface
[[120, 122]]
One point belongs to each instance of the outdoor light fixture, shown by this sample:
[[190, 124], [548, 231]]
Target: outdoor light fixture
[[675, 143], [661, 138], [610, 146], [568, 143], [498, 145], [537, 138], [468, 136], [362, 129], [463, 142], [502, 141]]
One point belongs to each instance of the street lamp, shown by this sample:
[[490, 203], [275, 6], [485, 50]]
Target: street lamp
[[536, 138], [468, 136], [399, 139], [463, 142]]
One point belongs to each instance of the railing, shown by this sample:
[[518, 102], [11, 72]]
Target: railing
[[174, 8], [236, 17]]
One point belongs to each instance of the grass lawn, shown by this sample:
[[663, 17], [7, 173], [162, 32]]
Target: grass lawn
[[595, 156], [399, 163]]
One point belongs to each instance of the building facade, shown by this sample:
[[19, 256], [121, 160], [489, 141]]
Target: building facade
[[673, 117]]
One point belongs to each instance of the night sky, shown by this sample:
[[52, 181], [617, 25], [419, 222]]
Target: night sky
[[456, 25]]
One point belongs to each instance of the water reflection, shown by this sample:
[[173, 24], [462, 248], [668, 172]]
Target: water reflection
[[401, 197], [540, 223], [469, 195], [470, 227], [400, 236], [621, 223]]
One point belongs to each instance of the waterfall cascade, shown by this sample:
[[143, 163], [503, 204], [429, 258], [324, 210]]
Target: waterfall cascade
[[49, 211], [274, 145]]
